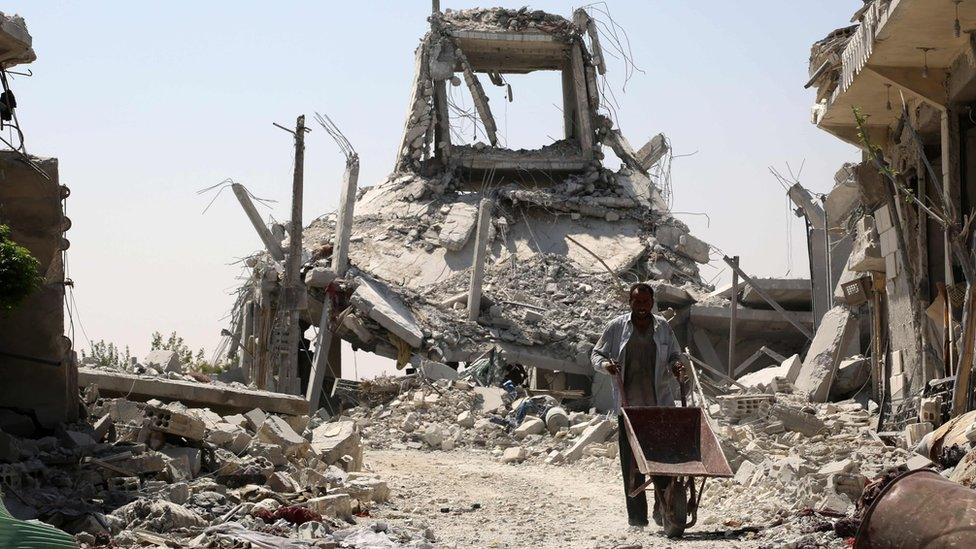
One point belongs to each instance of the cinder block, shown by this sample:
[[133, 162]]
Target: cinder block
[[889, 242], [891, 266], [882, 218]]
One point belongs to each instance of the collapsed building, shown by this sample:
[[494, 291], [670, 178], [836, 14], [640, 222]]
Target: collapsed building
[[468, 250]]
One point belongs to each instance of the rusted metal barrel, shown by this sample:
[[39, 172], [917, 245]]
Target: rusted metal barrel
[[920, 508]]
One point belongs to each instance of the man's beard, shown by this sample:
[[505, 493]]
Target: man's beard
[[643, 315]]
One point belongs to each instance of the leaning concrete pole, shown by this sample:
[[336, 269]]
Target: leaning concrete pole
[[288, 381], [320, 361], [347, 202], [478, 263], [272, 245]]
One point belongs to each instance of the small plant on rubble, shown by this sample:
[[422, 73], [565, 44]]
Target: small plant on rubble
[[173, 343], [19, 271], [106, 354], [197, 362]]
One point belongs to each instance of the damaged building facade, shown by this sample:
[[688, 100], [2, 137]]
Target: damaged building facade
[[37, 362], [899, 83]]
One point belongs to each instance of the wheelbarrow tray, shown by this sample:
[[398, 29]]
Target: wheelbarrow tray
[[674, 442]]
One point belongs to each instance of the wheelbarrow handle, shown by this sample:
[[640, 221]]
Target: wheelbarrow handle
[[619, 382]]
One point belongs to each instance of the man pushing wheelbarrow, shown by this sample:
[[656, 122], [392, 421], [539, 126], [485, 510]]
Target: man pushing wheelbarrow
[[641, 353]]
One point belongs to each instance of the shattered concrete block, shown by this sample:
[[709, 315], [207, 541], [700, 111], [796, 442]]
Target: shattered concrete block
[[531, 425], [882, 219], [274, 453], [178, 492], [593, 434], [167, 420], [231, 437], [167, 361], [514, 454], [319, 277], [236, 419], [297, 423], [852, 374], [387, 309], [147, 462], [282, 482], [746, 470], [458, 226], [837, 467], [367, 490], [125, 411], [915, 431], [159, 516], [798, 420], [255, 418], [335, 505], [331, 441], [465, 419], [435, 370], [653, 151], [492, 398], [77, 439], [102, 427], [866, 250], [851, 485], [186, 460], [276, 430], [556, 419], [917, 461], [824, 355]]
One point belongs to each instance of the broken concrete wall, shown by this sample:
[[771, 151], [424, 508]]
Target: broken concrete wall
[[37, 365]]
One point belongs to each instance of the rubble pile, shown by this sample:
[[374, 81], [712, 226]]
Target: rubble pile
[[139, 470], [799, 465], [445, 415], [501, 19]]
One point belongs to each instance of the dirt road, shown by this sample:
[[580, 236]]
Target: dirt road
[[472, 500]]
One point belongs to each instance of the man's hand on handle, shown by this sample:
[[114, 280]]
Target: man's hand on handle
[[611, 367], [680, 372]]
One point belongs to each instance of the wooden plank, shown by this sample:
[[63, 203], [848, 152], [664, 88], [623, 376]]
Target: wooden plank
[[223, 397]]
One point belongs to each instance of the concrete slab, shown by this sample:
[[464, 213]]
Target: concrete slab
[[792, 294], [825, 353], [748, 321], [458, 225], [386, 308], [669, 294], [223, 398]]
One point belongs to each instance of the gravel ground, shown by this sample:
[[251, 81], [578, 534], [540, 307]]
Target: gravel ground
[[470, 499]]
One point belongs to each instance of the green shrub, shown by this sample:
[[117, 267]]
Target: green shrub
[[19, 274]]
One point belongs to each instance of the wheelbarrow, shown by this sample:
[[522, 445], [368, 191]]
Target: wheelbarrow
[[676, 445]]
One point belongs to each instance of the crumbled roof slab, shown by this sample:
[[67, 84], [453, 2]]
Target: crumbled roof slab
[[15, 41]]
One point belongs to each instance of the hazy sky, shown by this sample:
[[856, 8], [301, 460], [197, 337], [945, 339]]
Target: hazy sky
[[145, 104]]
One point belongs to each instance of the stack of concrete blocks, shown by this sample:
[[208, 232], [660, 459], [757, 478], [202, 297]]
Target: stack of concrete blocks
[[888, 241]]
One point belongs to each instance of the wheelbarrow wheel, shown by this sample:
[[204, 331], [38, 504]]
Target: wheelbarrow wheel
[[674, 508]]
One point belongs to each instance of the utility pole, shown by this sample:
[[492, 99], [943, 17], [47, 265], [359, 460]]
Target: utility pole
[[293, 299]]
